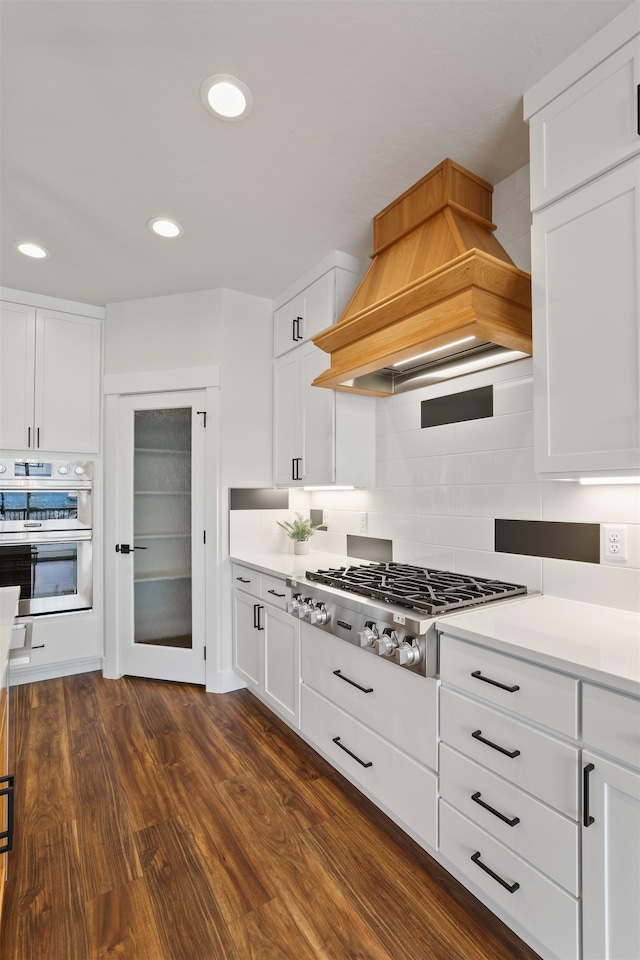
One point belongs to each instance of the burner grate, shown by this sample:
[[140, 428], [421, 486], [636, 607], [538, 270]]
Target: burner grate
[[417, 588]]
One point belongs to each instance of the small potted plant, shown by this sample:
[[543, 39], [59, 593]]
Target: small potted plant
[[300, 530]]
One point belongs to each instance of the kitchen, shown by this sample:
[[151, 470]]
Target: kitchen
[[439, 490]]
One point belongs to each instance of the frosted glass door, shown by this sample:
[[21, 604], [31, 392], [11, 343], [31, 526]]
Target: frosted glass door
[[161, 519]]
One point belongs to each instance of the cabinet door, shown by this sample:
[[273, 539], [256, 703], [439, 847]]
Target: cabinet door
[[246, 638], [319, 305], [17, 345], [288, 326], [586, 304], [67, 398], [282, 663], [610, 862], [287, 435], [587, 129], [319, 422]]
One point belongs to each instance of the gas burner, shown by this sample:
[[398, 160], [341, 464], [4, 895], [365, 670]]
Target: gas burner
[[420, 589]]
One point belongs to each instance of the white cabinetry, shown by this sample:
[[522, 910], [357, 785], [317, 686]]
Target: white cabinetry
[[266, 641], [49, 380], [509, 788], [354, 712], [585, 186], [320, 437], [611, 825]]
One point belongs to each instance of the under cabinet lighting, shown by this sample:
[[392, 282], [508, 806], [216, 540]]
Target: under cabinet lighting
[[429, 353], [164, 227], [30, 249], [226, 97], [328, 487], [587, 480]]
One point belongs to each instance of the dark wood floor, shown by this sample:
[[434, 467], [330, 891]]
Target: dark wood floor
[[157, 822]]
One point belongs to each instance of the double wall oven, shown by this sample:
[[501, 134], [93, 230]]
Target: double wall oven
[[46, 534]]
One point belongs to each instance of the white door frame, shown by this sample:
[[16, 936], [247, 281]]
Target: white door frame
[[165, 381]]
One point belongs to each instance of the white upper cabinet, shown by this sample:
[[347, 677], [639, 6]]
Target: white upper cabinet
[[50, 364], [588, 129], [585, 250]]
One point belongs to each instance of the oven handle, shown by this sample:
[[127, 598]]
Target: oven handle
[[29, 537]]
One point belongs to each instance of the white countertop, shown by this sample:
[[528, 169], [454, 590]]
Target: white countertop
[[8, 609], [590, 641]]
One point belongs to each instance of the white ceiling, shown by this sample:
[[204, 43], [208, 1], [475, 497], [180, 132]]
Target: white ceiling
[[102, 128]]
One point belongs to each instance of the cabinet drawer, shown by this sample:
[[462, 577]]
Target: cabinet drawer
[[539, 764], [243, 578], [404, 789], [534, 831], [587, 129], [538, 904], [274, 591], [378, 694], [532, 692], [611, 723]]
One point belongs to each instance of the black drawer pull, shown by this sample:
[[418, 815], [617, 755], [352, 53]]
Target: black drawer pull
[[338, 673], [8, 792], [495, 683], [511, 887], [476, 799], [273, 592], [588, 819], [507, 753], [363, 763], [243, 580]]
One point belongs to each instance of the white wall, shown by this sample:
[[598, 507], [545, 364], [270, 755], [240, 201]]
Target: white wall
[[438, 490]]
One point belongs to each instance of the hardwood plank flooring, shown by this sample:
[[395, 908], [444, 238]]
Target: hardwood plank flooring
[[155, 821]]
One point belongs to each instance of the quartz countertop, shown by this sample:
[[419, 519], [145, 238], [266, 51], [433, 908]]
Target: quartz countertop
[[593, 642], [8, 608]]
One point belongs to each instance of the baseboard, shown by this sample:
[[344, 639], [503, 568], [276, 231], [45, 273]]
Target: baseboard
[[30, 673], [226, 681]]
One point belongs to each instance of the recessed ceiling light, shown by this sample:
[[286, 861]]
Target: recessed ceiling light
[[165, 227], [226, 97], [30, 249]]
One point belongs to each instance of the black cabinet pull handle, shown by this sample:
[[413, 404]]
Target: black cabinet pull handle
[[363, 763], [38, 436], [338, 673], [243, 580], [511, 887], [296, 328], [273, 593], [588, 819], [508, 753], [29, 437], [256, 616], [638, 127], [494, 683], [9, 793], [476, 799]]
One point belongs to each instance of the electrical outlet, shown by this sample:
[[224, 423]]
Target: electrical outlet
[[325, 518], [613, 543], [362, 523]]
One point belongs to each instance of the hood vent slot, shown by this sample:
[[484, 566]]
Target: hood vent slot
[[440, 299]]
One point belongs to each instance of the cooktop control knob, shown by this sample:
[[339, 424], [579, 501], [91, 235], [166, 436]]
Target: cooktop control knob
[[368, 634], [319, 615], [63, 470], [304, 609], [387, 643], [407, 652], [293, 604], [3, 469]]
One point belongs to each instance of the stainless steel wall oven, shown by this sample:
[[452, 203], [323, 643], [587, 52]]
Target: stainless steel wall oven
[[46, 534]]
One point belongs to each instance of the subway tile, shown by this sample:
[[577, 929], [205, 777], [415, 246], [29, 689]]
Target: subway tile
[[513, 188], [501, 566], [497, 433], [519, 250], [592, 583], [423, 555], [615, 503], [473, 533], [514, 466], [476, 468], [424, 500], [243, 521], [398, 473], [512, 501], [513, 396], [392, 418], [515, 221]]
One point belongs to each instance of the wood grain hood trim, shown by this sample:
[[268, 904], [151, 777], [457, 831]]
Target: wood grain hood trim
[[442, 278]]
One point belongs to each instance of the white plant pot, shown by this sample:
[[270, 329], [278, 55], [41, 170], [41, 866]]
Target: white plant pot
[[301, 546]]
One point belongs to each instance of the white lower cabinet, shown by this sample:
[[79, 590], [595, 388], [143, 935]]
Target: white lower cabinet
[[611, 826], [266, 641]]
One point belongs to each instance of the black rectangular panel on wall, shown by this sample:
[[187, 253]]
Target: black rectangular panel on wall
[[556, 540], [369, 548], [257, 498], [468, 405]]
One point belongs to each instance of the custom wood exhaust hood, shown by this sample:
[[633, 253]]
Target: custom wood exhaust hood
[[441, 297]]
